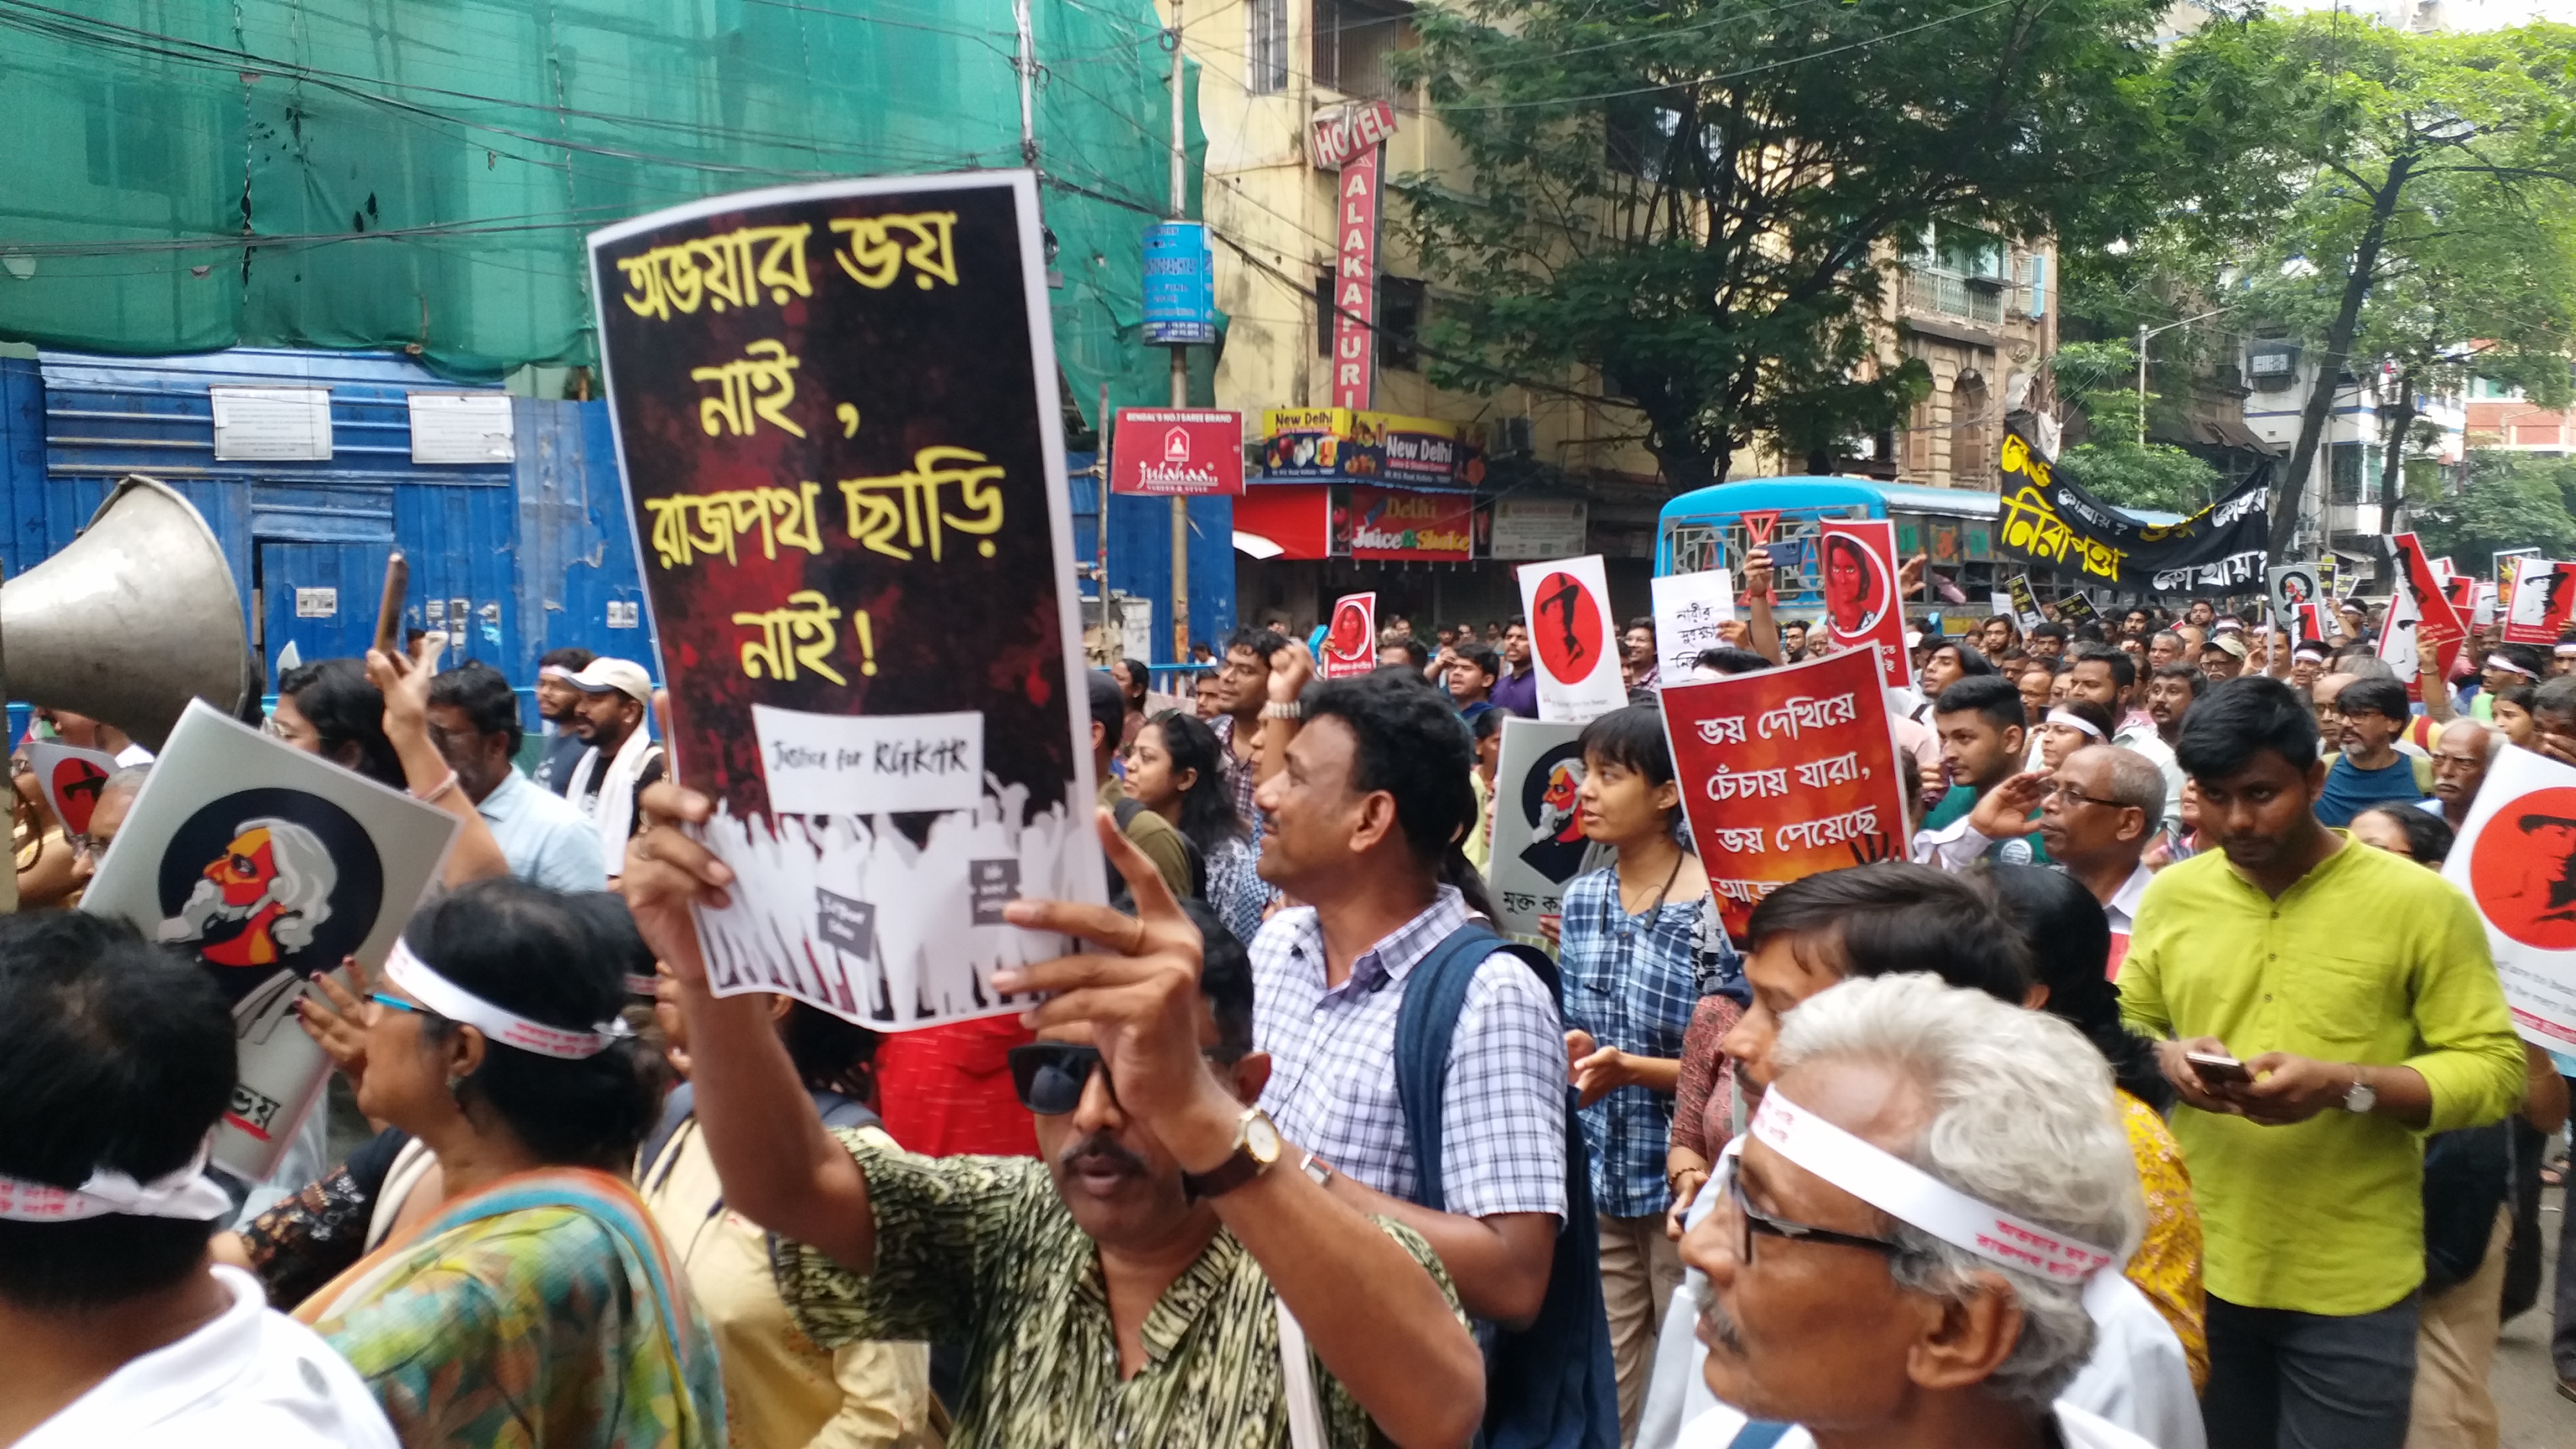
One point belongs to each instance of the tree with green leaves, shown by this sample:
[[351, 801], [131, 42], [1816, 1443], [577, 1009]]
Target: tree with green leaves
[[1702, 202], [2394, 198], [2511, 500], [2099, 378]]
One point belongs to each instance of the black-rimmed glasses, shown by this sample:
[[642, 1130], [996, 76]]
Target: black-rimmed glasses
[[1726, 1177]]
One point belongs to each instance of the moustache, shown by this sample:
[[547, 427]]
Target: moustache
[[1721, 1328], [1100, 1147]]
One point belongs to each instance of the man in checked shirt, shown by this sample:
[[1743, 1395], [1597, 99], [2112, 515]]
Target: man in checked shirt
[[1365, 795]]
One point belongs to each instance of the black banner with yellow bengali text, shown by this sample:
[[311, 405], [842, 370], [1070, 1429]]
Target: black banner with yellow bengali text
[[2047, 518]]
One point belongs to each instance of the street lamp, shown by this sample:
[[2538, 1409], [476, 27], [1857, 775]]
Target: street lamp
[[2145, 332]]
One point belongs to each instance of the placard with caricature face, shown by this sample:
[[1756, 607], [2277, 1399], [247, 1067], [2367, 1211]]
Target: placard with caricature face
[[267, 865]]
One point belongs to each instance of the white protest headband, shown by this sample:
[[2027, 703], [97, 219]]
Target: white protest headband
[[457, 1004], [1910, 1195], [2498, 661], [187, 1194], [2564, 649], [556, 671], [2074, 721]]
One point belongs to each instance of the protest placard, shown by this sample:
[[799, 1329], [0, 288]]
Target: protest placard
[[1688, 610], [2025, 603], [1350, 641], [838, 415], [2516, 858], [2438, 623], [2544, 590], [1862, 608], [2076, 607], [2290, 586], [1539, 844], [1572, 639], [268, 865], [2045, 517], [71, 778], [1786, 772]]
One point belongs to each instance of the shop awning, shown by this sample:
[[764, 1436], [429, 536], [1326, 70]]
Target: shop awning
[[1256, 545]]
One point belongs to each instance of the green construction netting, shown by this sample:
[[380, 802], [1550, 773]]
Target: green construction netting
[[381, 173]]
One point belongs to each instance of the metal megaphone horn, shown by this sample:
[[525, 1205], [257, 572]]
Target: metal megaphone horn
[[137, 617]]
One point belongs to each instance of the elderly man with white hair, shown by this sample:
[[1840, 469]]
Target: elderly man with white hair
[[1903, 1248]]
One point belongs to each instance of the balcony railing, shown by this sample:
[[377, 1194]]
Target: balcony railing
[[1928, 289]]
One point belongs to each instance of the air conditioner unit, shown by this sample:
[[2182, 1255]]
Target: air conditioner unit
[[1511, 437]]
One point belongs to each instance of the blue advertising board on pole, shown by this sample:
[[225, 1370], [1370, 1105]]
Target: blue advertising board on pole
[[1180, 284]]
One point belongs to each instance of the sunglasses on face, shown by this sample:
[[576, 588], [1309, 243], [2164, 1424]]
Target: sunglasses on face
[[1048, 1076]]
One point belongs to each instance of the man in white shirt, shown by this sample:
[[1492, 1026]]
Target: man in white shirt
[[474, 721], [1907, 1239], [2098, 818], [116, 1326]]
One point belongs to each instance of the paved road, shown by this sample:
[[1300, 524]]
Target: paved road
[[2526, 1390]]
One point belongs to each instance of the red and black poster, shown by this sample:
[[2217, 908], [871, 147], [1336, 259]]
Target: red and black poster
[[1350, 644], [1862, 608], [1786, 772], [836, 408]]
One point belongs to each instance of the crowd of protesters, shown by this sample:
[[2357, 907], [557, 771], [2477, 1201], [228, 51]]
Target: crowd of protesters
[[2157, 1090]]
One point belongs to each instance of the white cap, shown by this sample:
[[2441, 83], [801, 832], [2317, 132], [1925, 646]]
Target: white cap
[[622, 675]]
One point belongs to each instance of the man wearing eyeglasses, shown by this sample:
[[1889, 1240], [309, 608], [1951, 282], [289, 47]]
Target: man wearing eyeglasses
[[115, 798], [1903, 1247], [2098, 817], [1148, 1280]]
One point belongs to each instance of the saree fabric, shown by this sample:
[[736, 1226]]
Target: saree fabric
[[543, 1312]]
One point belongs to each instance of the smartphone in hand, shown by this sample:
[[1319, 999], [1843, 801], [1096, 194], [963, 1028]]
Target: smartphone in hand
[[2215, 1068], [389, 613]]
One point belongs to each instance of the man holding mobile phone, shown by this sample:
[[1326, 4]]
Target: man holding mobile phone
[[2318, 1008]]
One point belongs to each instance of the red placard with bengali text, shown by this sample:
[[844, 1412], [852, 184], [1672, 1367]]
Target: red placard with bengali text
[[1786, 772], [2437, 623], [1350, 641]]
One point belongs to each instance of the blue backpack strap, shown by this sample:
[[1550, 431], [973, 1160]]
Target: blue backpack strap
[[1759, 1434], [1551, 1385]]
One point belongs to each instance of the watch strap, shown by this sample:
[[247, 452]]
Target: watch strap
[[1235, 1171]]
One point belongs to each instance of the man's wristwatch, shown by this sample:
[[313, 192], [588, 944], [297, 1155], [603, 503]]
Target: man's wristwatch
[[2359, 1097], [1256, 1146]]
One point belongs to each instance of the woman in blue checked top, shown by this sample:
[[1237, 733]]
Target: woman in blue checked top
[[1173, 769], [1629, 946]]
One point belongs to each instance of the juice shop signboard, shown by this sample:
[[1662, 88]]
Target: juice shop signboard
[[1385, 523]]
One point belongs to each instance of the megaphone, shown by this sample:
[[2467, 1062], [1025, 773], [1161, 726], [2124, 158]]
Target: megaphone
[[137, 617]]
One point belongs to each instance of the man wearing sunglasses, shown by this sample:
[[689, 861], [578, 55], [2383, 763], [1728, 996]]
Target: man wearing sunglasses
[[1135, 1284], [1903, 1246]]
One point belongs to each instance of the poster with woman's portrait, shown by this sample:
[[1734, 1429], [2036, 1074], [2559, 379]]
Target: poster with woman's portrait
[[267, 866], [1862, 608]]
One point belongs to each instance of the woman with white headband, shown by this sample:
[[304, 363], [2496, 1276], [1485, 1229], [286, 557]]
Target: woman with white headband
[[540, 1305], [116, 1328], [2070, 727]]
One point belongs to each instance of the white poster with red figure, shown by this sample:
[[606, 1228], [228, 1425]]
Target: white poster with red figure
[[1538, 843], [72, 778], [2544, 592], [267, 866], [1572, 639], [1784, 773], [1350, 641], [2516, 858], [1862, 609]]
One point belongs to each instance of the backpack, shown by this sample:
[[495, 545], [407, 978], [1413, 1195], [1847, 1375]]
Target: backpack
[[1120, 898], [1552, 1383]]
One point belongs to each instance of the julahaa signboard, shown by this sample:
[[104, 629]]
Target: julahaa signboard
[[1169, 452], [837, 412]]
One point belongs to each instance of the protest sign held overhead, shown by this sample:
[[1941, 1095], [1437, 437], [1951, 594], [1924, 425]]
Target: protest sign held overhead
[[2290, 586], [267, 865], [1862, 608], [837, 410], [1572, 640], [2440, 624], [1688, 610], [1785, 773], [2544, 593], [2025, 603], [1539, 846], [71, 779], [1350, 642], [2077, 608], [2516, 858]]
